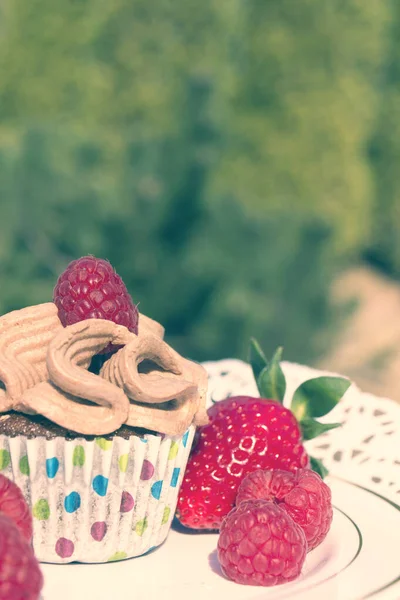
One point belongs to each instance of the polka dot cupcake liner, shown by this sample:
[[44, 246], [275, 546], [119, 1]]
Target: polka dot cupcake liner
[[97, 501]]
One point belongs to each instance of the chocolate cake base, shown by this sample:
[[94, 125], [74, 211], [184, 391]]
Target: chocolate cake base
[[13, 424]]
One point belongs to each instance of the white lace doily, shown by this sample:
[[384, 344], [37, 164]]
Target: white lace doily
[[365, 450]]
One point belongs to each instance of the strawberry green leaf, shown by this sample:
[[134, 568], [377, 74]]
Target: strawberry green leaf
[[318, 467], [312, 429], [271, 381], [317, 397], [256, 358]]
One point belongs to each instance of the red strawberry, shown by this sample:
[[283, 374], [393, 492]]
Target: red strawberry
[[89, 288], [13, 504], [245, 434]]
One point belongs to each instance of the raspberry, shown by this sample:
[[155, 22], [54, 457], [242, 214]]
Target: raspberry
[[12, 504], [89, 288], [266, 485], [303, 495], [260, 544], [20, 575]]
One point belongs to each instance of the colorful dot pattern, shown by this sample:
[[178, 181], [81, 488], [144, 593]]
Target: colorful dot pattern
[[72, 502], [127, 502], [41, 510], [118, 556], [156, 489], [166, 514], [173, 452], [123, 462], [104, 444], [52, 465], [158, 483], [24, 465], [78, 457], [64, 547], [5, 459], [98, 530], [147, 470], [141, 526], [175, 477], [100, 485]]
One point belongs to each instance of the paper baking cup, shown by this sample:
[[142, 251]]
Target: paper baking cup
[[97, 501]]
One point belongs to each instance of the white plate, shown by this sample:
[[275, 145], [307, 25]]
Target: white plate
[[359, 559]]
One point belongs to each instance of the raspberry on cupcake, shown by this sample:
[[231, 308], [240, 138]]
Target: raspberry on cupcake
[[89, 288]]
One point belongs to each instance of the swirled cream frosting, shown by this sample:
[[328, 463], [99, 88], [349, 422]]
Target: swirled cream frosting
[[146, 384]]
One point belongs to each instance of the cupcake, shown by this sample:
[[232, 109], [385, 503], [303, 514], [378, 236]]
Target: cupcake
[[99, 453]]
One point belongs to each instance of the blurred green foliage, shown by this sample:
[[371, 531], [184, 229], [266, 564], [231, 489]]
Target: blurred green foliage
[[226, 157], [384, 150]]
